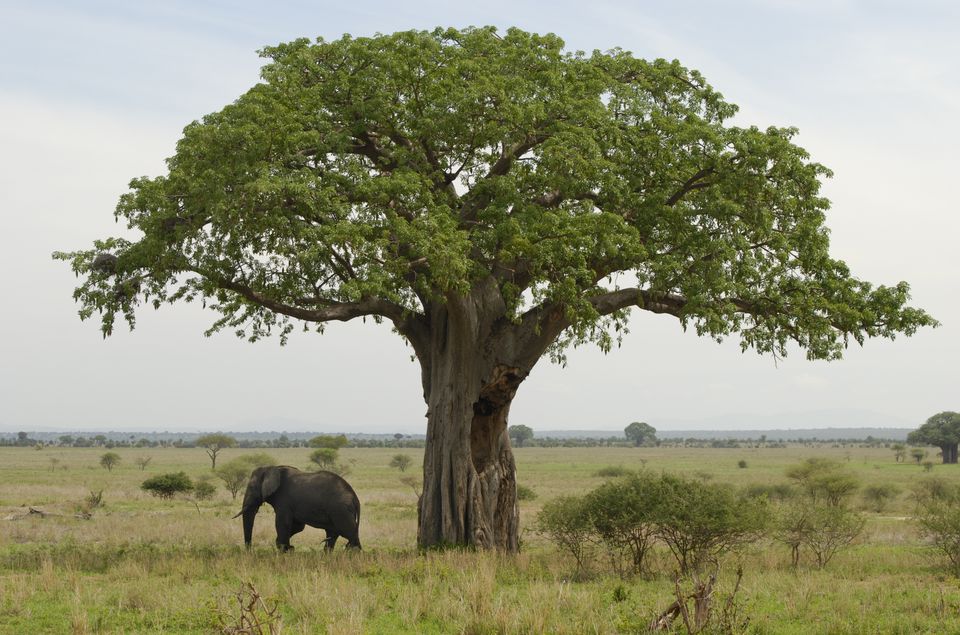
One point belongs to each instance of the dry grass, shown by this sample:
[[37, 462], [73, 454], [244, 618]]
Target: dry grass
[[146, 565]]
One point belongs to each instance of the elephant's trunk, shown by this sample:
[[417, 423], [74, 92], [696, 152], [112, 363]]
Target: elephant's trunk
[[248, 516]]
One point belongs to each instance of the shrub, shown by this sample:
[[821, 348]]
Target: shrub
[[401, 462], [774, 492], [819, 527], [203, 489], [326, 458], [823, 479], [831, 528], [699, 521], [329, 441], [167, 485], [525, 493], [612, 471], [624, 516], [142, 462], [742, 464], [234, 475], [939, 520], [109, 460], [565, 522], [877, 496]]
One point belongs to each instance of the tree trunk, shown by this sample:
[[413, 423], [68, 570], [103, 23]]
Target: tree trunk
[[949, 453], [469, 475]]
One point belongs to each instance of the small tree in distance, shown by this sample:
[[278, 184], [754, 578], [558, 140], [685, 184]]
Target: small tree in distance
[[109, 461], [640, 433], [329, 441], [520, 434], [142, 462], [401, 462], [213, 444]]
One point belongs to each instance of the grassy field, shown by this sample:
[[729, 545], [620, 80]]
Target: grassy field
[[143, 564]]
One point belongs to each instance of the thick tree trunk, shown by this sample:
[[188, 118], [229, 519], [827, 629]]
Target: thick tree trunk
[[949, 453], [469, 475]]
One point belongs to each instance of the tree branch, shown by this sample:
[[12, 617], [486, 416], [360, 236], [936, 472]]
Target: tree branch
[[693, 183]]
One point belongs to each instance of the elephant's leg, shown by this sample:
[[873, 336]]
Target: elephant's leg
[[284, 531], [331, 540]]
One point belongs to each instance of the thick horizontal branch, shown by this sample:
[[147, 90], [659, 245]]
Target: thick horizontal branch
[[613, 301]]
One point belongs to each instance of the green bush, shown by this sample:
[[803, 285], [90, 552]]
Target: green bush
[[773, 492], [824, 480], [612, 471], [566, 523], [877, 496], [624, 515], [700, 521], [525, 493], [167, 485], [401, 462], [203, 489], [939, 520]]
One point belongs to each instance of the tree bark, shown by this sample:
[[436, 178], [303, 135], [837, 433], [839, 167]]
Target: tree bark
[[949, 453], [469, 475]]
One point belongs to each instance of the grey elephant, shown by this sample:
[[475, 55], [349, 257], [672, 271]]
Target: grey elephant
[[319, 499]]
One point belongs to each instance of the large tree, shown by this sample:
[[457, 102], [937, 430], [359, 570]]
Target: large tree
[[941, 430], [496, 199]]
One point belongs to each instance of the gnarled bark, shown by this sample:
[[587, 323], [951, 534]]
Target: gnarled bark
[[469, 475]]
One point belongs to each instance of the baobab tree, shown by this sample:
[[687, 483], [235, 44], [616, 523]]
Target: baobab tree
[[496, 199]]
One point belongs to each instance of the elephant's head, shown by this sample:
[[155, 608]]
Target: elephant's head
[[263, 483]]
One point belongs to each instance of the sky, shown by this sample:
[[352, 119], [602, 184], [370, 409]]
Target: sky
[[93, 94]]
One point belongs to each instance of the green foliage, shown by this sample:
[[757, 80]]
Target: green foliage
[[213, 444], [401, 462], [520, 434], [565, 521], [941, 430], [234, 475], [613, 471], [640, 433], [773, 492], [330, 441], [824, 480], [742, 464], [236, 472], [878, 496], [109, 460], [203, 489], [918, 454], [477, 153], [625, 515], [939, 519], [167, 485], [830, 528], [525, 493], [324, 457], [701, 521]]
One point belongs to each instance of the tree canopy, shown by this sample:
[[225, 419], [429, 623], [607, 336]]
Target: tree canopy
[[941, 430], [496, 199], [640, 432], [520, 434]]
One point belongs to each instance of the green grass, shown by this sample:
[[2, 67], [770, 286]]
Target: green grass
[[144, 565]]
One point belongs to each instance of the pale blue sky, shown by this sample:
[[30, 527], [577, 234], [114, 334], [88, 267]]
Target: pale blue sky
[[95, 93]]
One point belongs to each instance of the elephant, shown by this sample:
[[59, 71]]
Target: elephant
[[319, 499]]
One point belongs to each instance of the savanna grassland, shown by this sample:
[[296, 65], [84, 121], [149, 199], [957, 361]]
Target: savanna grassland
[[143, 564]]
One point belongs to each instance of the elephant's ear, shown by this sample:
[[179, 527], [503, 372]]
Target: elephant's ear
[[271, 482]]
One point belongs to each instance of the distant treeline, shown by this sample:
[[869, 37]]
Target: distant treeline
[[301, 440]]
